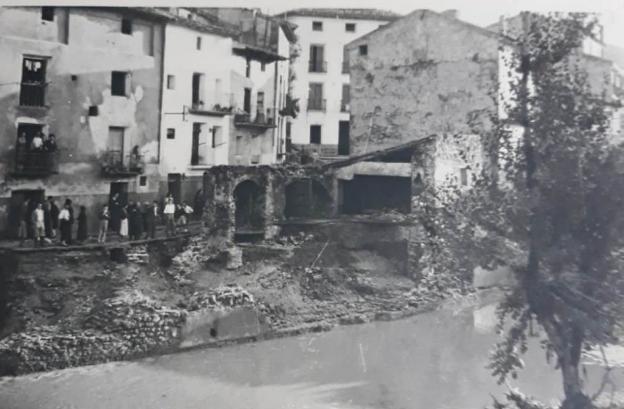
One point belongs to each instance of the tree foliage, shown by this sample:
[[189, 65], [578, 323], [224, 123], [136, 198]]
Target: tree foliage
[[554, 212]]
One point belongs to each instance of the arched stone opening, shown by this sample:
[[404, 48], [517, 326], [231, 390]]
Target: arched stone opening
[[249, 205]]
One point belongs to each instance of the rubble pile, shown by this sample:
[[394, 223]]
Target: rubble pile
[[125, 326], [231, 295], [138, 320], [138, 255]]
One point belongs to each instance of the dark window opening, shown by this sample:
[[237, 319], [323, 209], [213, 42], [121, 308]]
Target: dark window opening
[[315, 97], [170, 133], [143, 181], [195, 147], [247, 100], [363, 49], [317, 59], [350, 27], [47, 13], [32, 90], [196, 91], [263, 67], [170, 81], [118, 83], [199, 43], [315, 134], [93, 110], [317, 26], [372, 194], [126, 26], [248, 68], [343, 137]]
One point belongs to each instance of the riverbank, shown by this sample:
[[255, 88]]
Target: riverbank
[[76, 310]]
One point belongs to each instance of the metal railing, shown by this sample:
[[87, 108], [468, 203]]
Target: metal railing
[[115, 163], [317, 104], [317, 66], [32, 94], [35, 163]]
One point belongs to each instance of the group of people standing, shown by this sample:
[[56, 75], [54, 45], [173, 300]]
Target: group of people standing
[[41, 220], [136, 221], [133, 221]]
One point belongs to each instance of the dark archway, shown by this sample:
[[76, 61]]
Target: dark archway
[[307, 198], [249, 201]]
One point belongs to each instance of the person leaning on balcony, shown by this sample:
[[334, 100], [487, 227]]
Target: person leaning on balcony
[[169, 213], [37, 142], [22, 228], [38, 222], [104, 217]]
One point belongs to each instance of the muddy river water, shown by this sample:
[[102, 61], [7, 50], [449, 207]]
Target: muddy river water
[[434, 360]]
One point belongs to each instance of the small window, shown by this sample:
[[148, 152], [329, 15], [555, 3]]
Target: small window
[[170, 133], [363, 49], [350, 27], [317, 26], [143, 181], [170, 81], [263, 67], [315, 134], [118, 83], [47, 13], [199, 43], [93, 110], [126, 26], [217, 136], [464, 176]]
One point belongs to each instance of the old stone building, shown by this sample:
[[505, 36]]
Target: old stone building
[[92, 78]]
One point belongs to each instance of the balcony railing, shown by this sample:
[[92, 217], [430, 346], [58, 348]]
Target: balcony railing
[[35, 163], [260, 121], [214, 110], [317, 66], [345, 67], [317, 104], [114, 163], [345, 106], [32, 94]]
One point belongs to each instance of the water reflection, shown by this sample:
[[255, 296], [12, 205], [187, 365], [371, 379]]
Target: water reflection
[[435, 360]]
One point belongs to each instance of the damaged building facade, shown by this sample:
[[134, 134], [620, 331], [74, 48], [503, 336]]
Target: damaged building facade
[[224, 105], [92, 78]]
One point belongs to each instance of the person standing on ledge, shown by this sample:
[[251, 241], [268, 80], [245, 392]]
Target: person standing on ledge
[[169, 212]]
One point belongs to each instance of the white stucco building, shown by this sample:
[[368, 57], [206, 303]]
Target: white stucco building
[[322, 75], [222, 95]]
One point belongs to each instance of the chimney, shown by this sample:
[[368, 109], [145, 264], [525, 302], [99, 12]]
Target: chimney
[[452, 13]]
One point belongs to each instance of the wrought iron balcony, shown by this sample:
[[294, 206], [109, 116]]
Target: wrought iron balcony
[[35, 163], [317, 104], [115, 164], [317, 66], [260, 121], [32, 94]]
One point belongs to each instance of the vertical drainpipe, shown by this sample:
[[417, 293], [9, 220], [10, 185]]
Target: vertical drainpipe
[[160, 103], [275, 113], [162, 91]]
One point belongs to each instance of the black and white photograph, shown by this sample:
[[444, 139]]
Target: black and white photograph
[[312, 204]]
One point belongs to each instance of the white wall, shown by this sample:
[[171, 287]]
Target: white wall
[[182, 58], [333, 38]]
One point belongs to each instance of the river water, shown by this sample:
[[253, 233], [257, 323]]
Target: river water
[[434, 360]]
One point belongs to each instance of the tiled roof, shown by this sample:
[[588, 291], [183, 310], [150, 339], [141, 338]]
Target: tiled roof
[[348, 14]]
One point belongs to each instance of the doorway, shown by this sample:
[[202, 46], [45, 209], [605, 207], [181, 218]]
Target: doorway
[[17, 198], [120, 188], [343, 138], [174, 183]]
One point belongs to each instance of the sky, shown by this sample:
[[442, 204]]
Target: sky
[[479, 12]]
